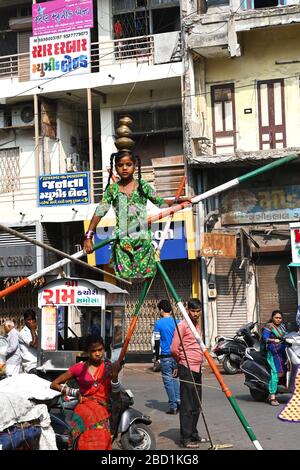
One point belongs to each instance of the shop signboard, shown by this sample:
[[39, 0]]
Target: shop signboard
[[218, 245], [64, 189], [17, 260], [61, 15], [80, 293], [295, 242], [54, 55], [179, 243], [261, 205]]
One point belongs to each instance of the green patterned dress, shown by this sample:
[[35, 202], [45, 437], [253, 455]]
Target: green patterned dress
[[132, 254]]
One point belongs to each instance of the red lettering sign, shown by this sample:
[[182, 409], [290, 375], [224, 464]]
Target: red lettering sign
[[297, 235]]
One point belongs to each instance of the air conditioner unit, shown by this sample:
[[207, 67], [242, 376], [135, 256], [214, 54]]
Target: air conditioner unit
[[73, 162], [23, 115]]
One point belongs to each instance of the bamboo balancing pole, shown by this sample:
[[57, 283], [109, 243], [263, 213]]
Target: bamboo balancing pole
[[155, 217], [210, 360], [67, 259]]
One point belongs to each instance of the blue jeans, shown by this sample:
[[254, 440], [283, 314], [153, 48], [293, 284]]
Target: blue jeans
[[168, 364]]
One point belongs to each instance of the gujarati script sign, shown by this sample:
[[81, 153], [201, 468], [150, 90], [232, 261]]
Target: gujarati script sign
[[217, 245], [58, 54], [61, 190], [261, 205], [61, 15]]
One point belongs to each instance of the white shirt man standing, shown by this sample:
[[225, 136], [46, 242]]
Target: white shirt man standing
[[13, 354], [28, 341]]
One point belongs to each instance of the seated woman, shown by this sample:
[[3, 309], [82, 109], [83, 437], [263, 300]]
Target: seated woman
[[272, 334], [98, 383]]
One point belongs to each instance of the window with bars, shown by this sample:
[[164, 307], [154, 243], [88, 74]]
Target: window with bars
[[154, 120], [9, 170]]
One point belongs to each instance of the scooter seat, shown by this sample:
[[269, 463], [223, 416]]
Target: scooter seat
[[258, 357]]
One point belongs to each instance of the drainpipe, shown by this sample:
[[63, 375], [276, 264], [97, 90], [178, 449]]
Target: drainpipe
[[201, 216], [40, 264], [91, 147], [36, 139]]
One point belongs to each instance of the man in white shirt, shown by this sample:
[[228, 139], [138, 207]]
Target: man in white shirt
[[13, 355], [28, 341]]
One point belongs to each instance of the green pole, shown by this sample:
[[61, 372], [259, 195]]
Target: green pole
[[210, 360], [269, 166]]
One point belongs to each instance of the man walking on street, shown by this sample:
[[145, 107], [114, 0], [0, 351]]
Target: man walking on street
[[189, 407], [13, 355], [28, 342], [163, 332]]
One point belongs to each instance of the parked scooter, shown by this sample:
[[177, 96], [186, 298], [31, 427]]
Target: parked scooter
[[230, 351], [130, 427], [257, 371]]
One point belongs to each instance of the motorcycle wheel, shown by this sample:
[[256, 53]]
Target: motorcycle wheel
[[148, 442], [258, 395], [229, 367]]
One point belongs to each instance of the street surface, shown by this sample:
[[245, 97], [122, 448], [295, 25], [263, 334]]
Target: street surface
[[224, 426]]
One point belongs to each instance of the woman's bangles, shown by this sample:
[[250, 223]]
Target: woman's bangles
[[69, 391], [89, 235]]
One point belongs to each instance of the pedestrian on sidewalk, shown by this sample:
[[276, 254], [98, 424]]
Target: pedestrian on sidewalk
[[163, 334], [28, 341], [189, 367], [13, 355]]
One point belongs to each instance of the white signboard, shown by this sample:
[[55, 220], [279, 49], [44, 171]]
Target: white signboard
[[70, 293], [295, 242], [59, 54]]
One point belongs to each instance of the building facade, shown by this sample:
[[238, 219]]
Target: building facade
[[241, 107], [58, 125]]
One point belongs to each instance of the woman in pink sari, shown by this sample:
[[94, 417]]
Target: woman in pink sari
[[98, 384]]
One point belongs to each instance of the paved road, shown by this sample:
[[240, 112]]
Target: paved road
[[224, 426]]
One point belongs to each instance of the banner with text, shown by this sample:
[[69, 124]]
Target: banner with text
[[61, 15], [261, 205], [58, 54], [66, 189]]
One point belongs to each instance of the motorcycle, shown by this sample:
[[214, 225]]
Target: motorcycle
[[230, 351], [257, 370], [129, 426]]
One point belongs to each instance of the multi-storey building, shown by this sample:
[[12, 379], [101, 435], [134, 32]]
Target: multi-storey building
[[241, 106], [67, 123]]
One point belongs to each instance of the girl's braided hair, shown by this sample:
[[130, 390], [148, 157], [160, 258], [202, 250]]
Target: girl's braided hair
[[116, 157]]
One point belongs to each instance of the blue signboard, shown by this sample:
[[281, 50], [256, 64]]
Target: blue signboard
[[175, 246], [65, 189], [261, 205]]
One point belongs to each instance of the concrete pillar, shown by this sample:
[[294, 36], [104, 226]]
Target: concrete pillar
[[104, 13], [107, 140]]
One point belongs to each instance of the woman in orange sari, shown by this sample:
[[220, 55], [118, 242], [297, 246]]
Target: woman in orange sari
[[98, 383]]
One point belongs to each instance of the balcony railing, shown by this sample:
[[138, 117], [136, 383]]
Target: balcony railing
[[105, 53], [20, 193]]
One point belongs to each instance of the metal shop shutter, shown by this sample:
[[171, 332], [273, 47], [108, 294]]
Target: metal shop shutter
[[275, 290], [231, 298], [180, 274]]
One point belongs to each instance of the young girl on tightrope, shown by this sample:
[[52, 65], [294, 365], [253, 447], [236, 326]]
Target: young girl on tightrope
[[133, 253]]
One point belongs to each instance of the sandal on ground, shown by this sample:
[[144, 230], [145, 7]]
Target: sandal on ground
[[201, 440], [273, 402], [204, 440], [190, 445]]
